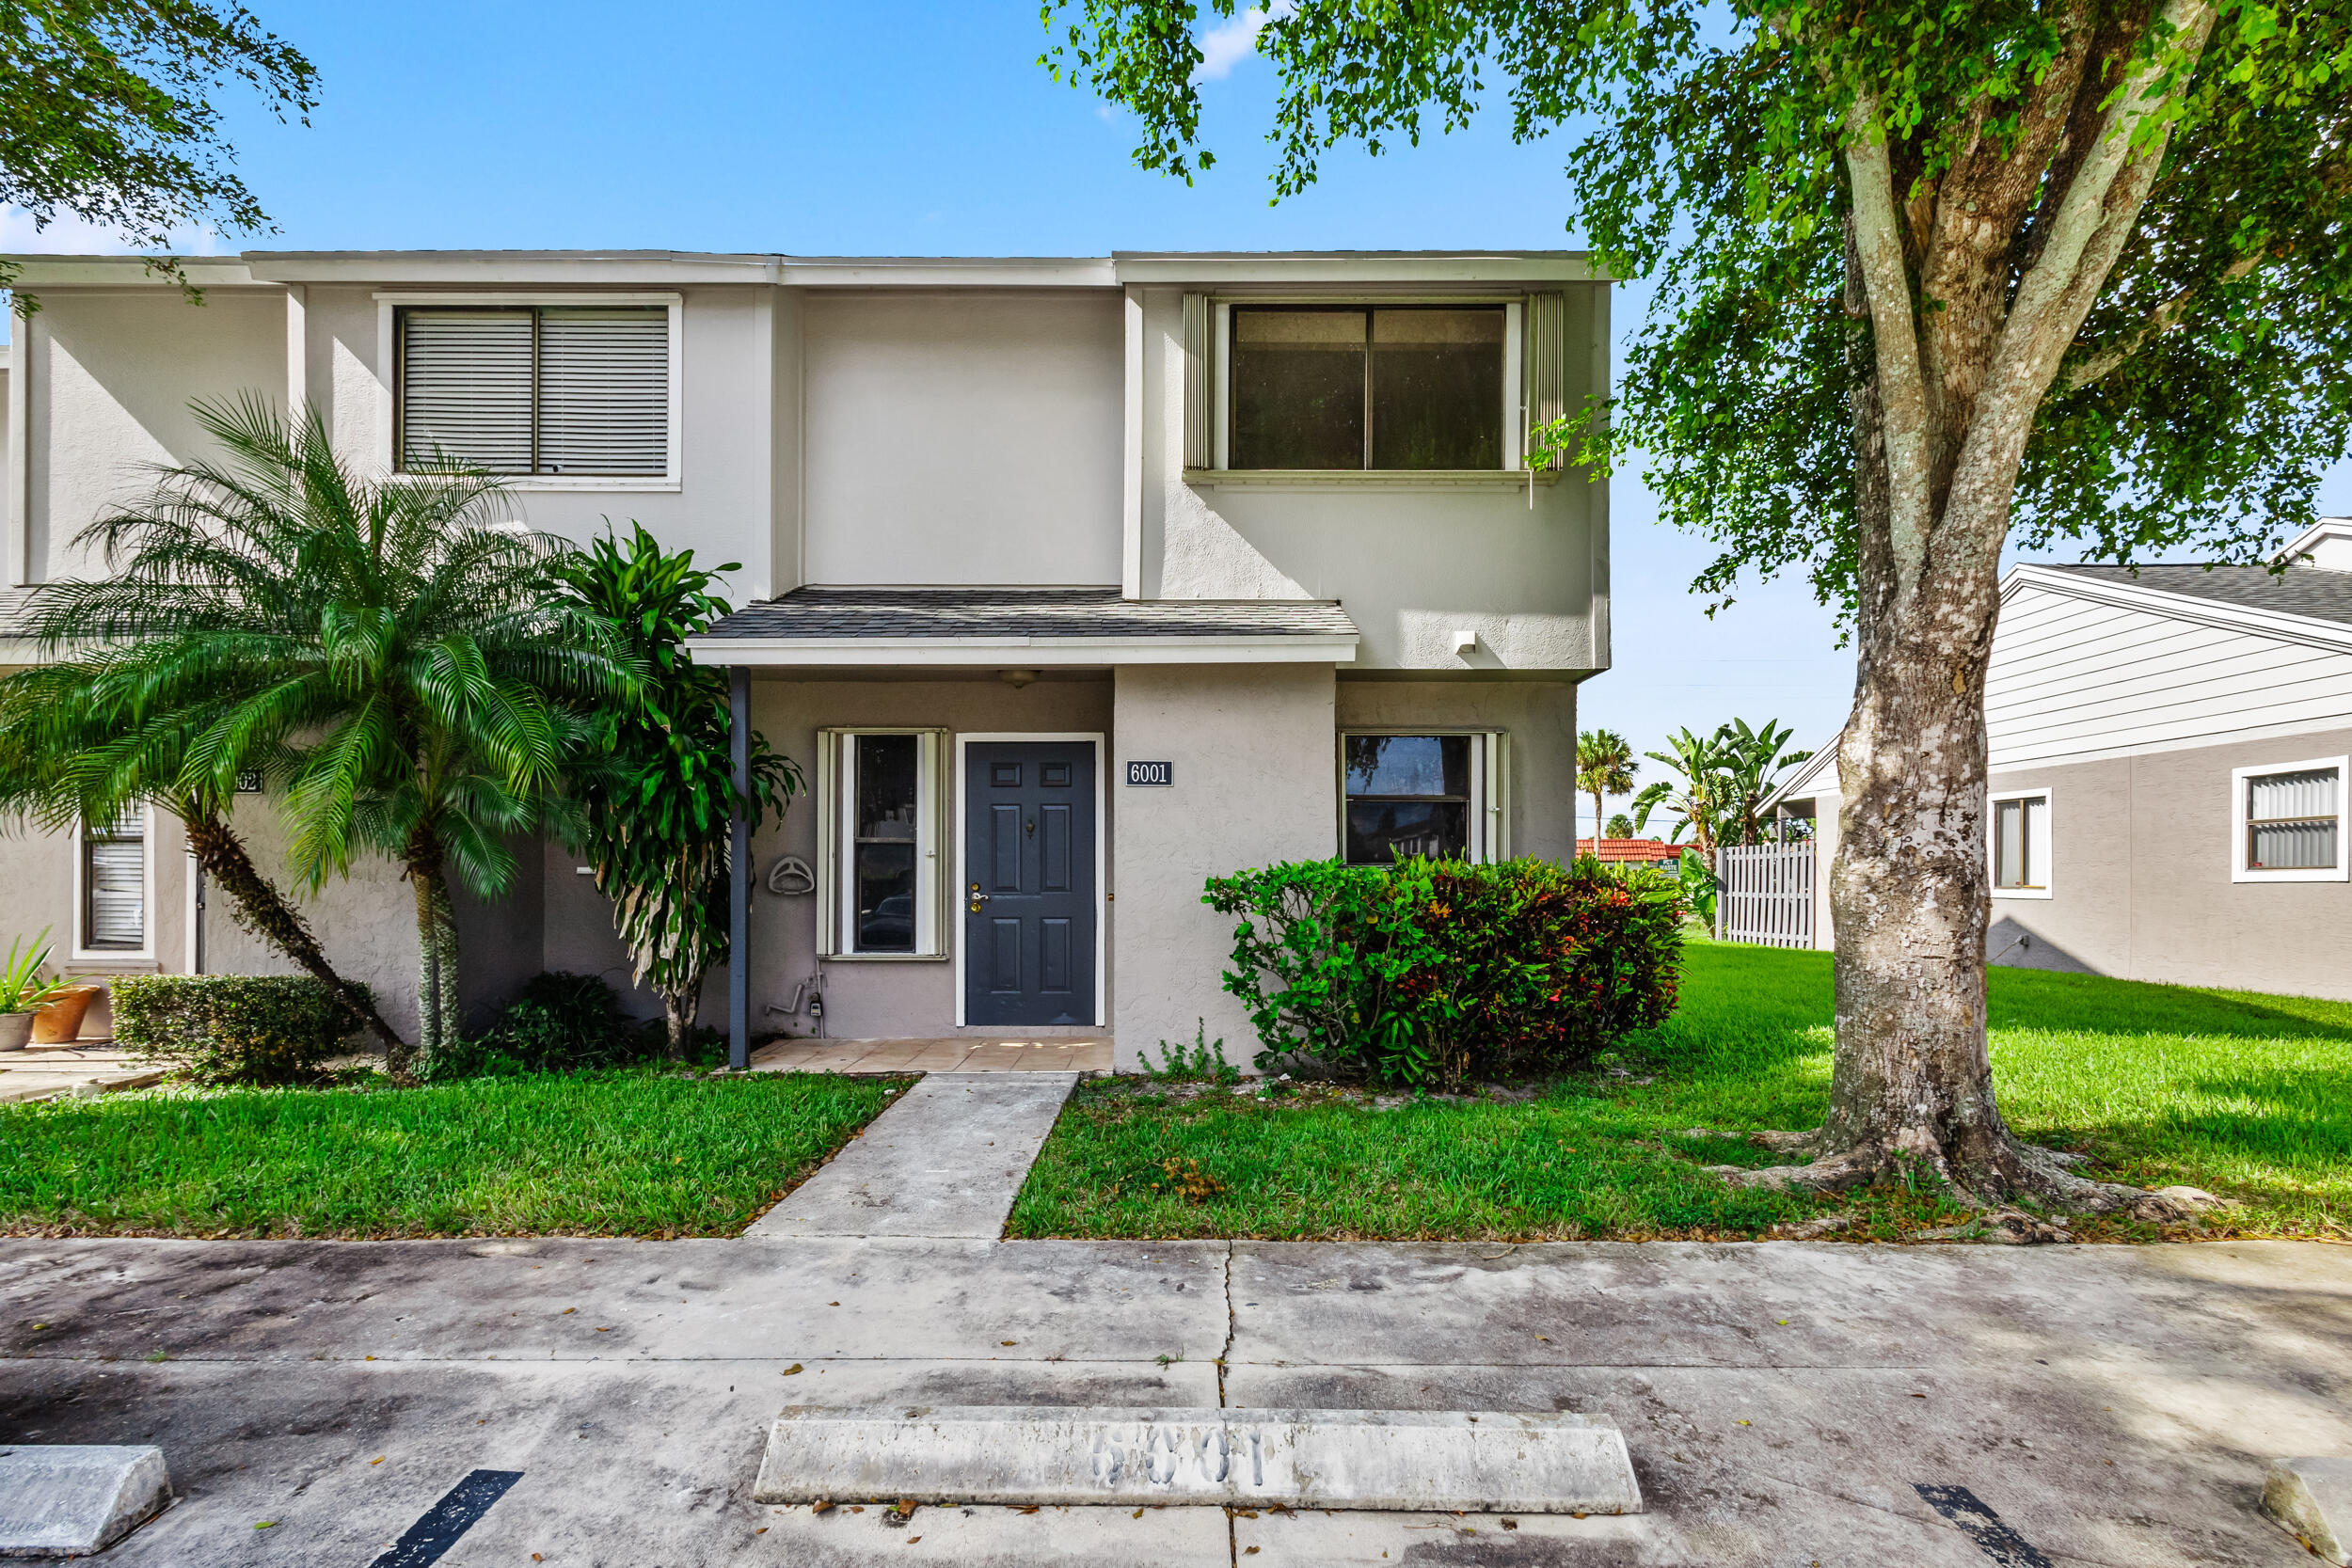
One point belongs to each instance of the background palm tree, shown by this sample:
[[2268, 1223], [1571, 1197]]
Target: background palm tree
[[1604, 766], [1696, 792], [1754, 761], [396, 661]]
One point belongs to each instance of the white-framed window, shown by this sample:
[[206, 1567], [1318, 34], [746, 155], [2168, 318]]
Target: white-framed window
[[2286, 822], [564, 392], [1426, 792], [880, 808], [2020, 841], [1369, 387], [114, 880]]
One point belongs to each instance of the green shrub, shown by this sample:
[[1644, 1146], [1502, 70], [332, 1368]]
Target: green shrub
[[1443, 971], [263, 1029], [557, 1022]]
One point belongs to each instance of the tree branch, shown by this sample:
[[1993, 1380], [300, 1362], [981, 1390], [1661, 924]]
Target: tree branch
[[1878, 231], [2158, 321]]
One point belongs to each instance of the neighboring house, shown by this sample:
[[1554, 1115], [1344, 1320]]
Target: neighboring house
[[2168, 754], [1069, 582], [1631, 851]]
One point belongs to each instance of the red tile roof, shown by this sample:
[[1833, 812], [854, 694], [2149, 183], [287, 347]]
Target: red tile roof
[[1637, 850]]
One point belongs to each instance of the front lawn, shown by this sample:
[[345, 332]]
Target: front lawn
[[2244, 1095], [625, 1153]]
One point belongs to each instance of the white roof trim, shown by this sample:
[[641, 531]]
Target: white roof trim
[[2326, 527], [1807, 781], [840, 652], [2124, 592]]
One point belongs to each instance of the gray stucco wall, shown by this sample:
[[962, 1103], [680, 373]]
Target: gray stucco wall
[[961, 437], [1256, 782], [2141, 856]]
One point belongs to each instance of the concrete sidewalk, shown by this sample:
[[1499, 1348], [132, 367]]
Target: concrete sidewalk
[[2114, 1405], [946, 1158]]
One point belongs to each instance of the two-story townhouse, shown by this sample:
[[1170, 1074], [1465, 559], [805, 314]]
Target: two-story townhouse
[[1068, 582]]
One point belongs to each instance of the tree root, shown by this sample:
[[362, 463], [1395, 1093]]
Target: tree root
[[2019, 1171]]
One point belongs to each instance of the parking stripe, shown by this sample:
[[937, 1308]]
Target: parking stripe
[[447, 1519], [1979, 1524]]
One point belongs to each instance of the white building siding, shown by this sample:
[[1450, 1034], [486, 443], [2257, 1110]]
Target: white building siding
[[2073, 680]]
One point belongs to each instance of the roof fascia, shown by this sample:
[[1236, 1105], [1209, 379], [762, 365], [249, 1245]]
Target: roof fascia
[[392, 268], [2310, 630], [126, 271], [1803, 783], [1356, 267]]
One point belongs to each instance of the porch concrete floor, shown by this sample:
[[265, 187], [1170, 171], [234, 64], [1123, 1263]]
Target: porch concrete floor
[[1080, 1055], [83, 1067]]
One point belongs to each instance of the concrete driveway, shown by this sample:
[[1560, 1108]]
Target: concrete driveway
[[1784, 1402]]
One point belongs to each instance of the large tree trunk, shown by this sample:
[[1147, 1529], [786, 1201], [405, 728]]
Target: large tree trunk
[[261, 910], [1967, 331]]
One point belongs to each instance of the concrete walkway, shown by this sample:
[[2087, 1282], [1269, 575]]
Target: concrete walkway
[[1784, 1402], [90, 1067], [946, 1159]]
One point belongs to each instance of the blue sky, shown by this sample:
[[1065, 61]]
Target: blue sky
[[928, 128]]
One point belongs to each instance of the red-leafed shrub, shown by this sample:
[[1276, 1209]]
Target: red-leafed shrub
[[1442, 971]]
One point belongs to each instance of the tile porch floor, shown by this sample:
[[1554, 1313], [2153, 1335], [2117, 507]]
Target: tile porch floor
[[83, 1067], [1073, 1054]]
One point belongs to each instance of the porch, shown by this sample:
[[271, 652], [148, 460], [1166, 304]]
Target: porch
[[1088, 1056]]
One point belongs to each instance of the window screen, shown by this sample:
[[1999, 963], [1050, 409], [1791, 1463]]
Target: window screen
[[2016, 825], [550, 390], [2291, 821], [1347, 387], [1407, 794], [114, 884]]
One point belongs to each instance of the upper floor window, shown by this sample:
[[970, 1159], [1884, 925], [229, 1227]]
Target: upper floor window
[[2287, 822], [554, 391], [1401, 387]]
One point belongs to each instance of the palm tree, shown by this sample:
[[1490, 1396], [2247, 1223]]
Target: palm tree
[[1754, 761], [76, 747], [1695, 794], [393, 656], [1604, 766]]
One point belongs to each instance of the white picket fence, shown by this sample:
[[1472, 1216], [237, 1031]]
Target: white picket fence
[[1766, 894]]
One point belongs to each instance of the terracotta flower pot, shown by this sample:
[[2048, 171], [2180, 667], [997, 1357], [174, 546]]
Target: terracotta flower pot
[[59, 1020], [15, 1029]]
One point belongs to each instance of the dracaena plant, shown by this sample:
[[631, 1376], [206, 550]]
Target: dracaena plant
[[657, 803]]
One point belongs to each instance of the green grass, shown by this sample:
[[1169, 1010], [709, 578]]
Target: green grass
[[629, 1152], [2247, 1096]]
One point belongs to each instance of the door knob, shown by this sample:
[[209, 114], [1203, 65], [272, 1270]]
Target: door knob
[[978, 899]]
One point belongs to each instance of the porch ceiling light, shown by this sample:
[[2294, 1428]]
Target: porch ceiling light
[[1016, 678]]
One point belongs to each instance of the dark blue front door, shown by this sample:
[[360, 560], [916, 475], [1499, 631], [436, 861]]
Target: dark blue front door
[[1029, 871]]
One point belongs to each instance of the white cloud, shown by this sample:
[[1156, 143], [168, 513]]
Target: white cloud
[[67, 235], [1226, 44]]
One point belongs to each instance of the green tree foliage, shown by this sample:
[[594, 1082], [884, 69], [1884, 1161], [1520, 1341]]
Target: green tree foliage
[[657, 807], [389, 651], [1719, 782], [1620, 826], [1928, 272], [1604, 766], [107, 113]]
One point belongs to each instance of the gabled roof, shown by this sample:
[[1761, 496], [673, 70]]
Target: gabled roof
[[2308, 591], [1029, 626]]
